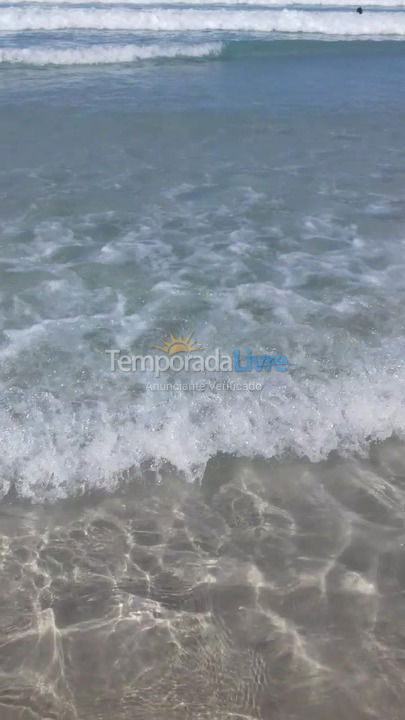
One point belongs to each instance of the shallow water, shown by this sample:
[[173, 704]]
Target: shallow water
[[258, 202], [273, 590]]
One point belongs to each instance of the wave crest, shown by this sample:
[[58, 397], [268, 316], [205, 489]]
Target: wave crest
[[105, 54], [172, 20]]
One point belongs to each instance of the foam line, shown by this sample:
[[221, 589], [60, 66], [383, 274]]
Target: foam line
[[172, 20], [104, 54]]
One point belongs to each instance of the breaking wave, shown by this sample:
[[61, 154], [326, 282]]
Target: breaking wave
[[105, 54], [267, 3], [61, 450], [333, 23]]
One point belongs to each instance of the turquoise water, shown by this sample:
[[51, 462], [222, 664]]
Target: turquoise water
[[254, 198]]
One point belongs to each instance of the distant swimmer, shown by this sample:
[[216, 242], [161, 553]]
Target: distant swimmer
[[359, 10]]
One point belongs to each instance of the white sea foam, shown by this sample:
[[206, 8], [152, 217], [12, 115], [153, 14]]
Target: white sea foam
[[71, 424], [266, 3], [104, 54], [277, 4], [56, 449], [171, 20]]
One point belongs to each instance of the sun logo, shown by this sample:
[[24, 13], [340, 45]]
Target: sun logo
[[178, 345]]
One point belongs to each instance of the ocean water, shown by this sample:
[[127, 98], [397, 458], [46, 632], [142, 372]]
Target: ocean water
[[202, 545]]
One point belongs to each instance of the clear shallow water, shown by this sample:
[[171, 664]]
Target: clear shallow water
[[270, 591], [212, 554], [255, 200]]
